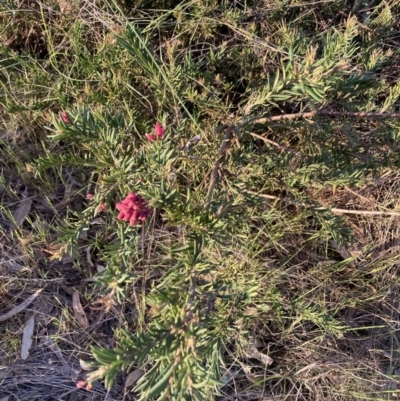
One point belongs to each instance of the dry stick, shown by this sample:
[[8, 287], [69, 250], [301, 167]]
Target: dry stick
[[21, 306], [59, 280], [333, 209], [221, 153], [264, 120], [310, 114]]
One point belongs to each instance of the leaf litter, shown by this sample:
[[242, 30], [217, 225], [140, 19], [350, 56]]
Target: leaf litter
[[79, 312], [19, 308], [133, 377], [22, 211]]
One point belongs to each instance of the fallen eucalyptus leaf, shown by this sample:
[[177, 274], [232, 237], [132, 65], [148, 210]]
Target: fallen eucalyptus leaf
[[22, 211], [27, 337], [133, 377], [252, 352], [20, 307], [88, 257], [79, 312]]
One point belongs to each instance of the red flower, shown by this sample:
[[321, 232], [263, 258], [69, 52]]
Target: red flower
[[151, 137], [65, 117], [82, 383], [159, 131], [133, 209]]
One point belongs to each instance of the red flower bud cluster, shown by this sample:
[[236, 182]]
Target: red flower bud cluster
[[159, 133], [133, 209], [84, 384], [65, 117]]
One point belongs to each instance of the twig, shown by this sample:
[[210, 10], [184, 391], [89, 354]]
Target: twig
[[361, 212], [333, 209], [221, 153], [43, 280], [367, 114], [310, 114], [264, 120], [276, 144], [21, 306]]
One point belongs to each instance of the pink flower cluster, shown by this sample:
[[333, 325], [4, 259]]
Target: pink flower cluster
[[84, 384], [159, 132], [133, 209]]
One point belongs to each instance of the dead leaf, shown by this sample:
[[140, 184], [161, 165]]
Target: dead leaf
[[265, 359], [85, 365], [107, 301], [20, 307], [79, 312], [27, 338], [133, 377], [252, 352], [88, 257], [22, 211], [62, 253]]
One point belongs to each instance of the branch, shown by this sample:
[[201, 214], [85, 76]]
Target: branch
[[309, 114], [264, 120]]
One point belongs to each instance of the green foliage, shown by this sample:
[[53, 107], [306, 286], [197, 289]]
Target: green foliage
[[182, 342]]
